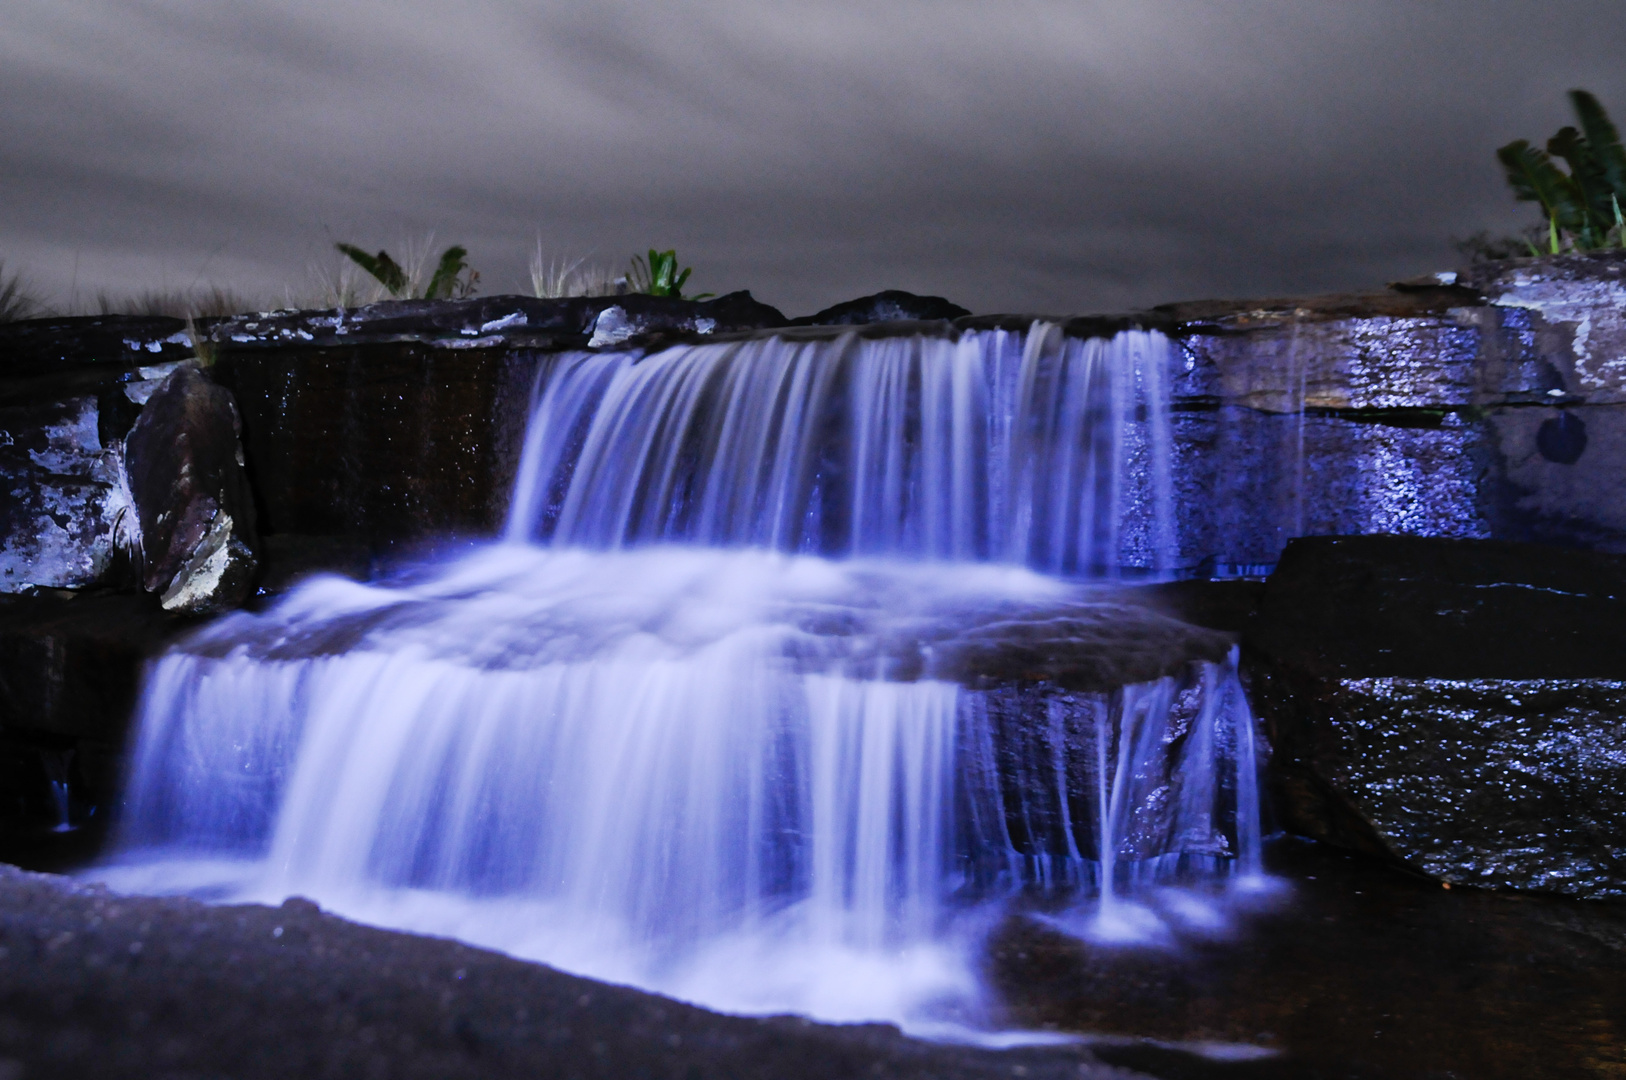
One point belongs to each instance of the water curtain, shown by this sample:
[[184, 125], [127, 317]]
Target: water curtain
[[660, 735], [1033, 448]]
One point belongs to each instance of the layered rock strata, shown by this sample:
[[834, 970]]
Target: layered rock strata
[[1458, 706]]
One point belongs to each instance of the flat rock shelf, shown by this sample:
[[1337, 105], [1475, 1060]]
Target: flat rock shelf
[[98, 985]]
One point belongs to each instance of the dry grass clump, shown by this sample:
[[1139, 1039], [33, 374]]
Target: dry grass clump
[[557, 278], [202, 302], [17, 300]]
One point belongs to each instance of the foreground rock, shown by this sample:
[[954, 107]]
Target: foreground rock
[[94, 985], [1457, 705]]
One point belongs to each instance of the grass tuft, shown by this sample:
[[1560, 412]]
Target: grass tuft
[[554, 278], [17, 300], [203, 302]]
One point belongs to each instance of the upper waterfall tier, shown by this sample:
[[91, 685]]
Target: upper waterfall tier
[[1022, 447]]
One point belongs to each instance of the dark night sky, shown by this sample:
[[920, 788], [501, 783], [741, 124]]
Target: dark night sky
[[1010, 155]]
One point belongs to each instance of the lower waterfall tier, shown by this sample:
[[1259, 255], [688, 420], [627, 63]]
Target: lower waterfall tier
[[653, 765]]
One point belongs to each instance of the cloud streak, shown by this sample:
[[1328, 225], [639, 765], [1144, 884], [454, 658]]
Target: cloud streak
[[1038, 156]]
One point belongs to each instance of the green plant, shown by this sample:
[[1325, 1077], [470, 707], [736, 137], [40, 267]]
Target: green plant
[[1582, 206], [659, 275], [452, 278]]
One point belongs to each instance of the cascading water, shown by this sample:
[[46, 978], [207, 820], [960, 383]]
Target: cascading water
[[661, 735], [1031, 448]]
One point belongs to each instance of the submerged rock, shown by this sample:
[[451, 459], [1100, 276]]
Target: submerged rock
[[192, 496], [891, 305], [1456, 705]]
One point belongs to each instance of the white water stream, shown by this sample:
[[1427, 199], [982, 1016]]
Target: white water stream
[[660, 736]]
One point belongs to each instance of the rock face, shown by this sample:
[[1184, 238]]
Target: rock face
[[1485, 404], [70, 669], [379, 428], [69, 390], [1459, 706], [518, 321], [192, 496], [381, 444], [892, 305]]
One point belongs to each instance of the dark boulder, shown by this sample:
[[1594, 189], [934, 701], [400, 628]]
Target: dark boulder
[[892, 305], [636, 316], [192, 495], [1457, 705]]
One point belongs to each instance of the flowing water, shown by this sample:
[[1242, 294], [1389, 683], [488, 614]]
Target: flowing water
[[702, 721]]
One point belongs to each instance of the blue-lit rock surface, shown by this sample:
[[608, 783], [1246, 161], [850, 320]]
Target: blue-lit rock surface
[[1478, 407], [1455, 705], [69, 391]]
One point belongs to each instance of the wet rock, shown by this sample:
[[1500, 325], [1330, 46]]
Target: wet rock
[[1455, 705], [192, 496], [1563, 478], [54, 357], [98, 985], [1576, 306], [635, 317], [384, 444], [1440, 408], [70, 670], [1085, 647], [66, 515], [519, 321], [891, 305], [69, 391]]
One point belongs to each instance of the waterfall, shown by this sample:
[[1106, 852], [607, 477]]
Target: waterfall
[[698, 723], [1032, 448]]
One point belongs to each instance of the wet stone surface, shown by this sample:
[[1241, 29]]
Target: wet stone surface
[[1454, 705], [69, 391], [1356, 970], [70, 669], [192, 496], [96, 985]]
